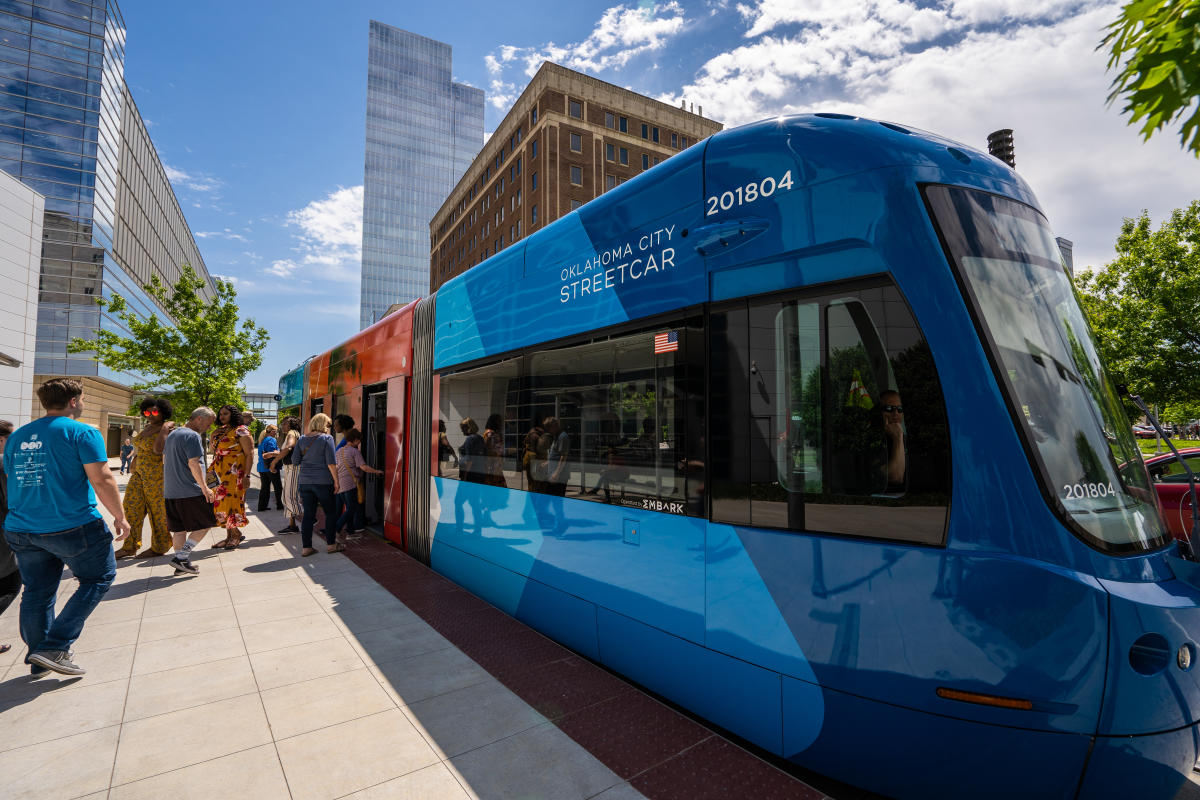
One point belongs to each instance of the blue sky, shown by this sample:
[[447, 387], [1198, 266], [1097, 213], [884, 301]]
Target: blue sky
[[257, 109]]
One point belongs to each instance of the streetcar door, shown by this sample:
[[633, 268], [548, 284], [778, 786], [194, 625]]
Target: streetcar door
[[373, 445]]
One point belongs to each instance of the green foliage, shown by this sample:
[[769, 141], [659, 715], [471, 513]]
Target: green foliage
[[1155, 47], [1144, 308], [200, 361]]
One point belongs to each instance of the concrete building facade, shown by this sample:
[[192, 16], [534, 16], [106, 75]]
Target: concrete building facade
[[21, 211], [568, 138], [423, 129]]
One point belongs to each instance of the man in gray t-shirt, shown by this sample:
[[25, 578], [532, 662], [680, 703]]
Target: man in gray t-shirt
[[188, 499]]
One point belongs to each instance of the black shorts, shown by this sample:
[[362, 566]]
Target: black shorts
[[190, 514]]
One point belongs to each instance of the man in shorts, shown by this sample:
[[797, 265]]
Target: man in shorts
[[188, 499]]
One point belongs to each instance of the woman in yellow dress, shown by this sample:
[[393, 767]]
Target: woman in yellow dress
[[233, 455], [144, 492]]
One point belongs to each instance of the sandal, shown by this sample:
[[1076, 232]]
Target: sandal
[[125, 552], [308, 551], [335, 548], [232, 544], [150, 553]]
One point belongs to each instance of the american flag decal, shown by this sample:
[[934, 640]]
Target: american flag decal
[[666, 342]]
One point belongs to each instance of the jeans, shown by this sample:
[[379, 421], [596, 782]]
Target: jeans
[[351, 511], [266, 481], [312, 494], [88, 551], [125, 464]]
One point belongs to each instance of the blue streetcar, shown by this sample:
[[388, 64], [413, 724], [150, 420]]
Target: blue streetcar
[[804, 430]]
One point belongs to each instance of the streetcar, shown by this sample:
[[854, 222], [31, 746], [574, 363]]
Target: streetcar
[[804, 430]]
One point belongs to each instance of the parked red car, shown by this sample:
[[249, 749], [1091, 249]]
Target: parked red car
[[1171, 483]]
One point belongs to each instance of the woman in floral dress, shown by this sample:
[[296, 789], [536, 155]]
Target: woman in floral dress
[[233, 454], [144, 492]]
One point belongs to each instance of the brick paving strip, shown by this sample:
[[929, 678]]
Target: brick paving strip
[[659, 751]]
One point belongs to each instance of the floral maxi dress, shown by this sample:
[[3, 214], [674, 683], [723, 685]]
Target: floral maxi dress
[[229, 464]]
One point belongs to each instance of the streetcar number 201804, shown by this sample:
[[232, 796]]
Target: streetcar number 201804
[[744, 195], [1082, 491]]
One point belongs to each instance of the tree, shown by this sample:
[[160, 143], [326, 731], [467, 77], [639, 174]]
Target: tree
[[1155, 47], [201, 361], [1144, 307]]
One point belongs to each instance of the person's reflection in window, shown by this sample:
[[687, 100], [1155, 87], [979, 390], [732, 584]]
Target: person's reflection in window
[[893, 430]]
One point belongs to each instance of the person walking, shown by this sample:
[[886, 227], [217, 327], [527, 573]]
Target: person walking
[[126, 454], [350, 468], [10, 577], [284, 465], [189, 501], [317, 479], [268, 450], [57, 467], [233, 451], [144, 492]]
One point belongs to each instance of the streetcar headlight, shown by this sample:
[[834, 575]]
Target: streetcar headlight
[[1184, 657]]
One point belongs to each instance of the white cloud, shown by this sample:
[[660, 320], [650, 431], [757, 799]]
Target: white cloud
[[195, 182], [622, 33], [228, 233], [328, 242]]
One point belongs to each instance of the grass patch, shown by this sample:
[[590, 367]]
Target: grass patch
[[1147, 446]]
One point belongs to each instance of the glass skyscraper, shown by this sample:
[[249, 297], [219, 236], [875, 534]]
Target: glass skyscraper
[[70, 130], [423, 131]]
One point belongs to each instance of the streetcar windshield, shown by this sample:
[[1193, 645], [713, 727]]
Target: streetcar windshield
[[1080, 437]]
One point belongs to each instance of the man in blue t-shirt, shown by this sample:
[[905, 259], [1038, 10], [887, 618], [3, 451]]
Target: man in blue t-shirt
[[56, 468]]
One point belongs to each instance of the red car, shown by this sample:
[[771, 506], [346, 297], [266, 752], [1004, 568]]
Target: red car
[[1171, 483]]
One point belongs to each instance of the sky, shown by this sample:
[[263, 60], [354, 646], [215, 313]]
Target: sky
[[257, 109]]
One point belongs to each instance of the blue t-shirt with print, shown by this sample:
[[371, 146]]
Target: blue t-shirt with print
[[267, 445], [48, 488]]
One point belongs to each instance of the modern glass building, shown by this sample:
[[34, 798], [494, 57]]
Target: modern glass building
[[70, 130], [423, 131]]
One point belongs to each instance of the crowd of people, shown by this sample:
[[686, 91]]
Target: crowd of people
[[184, 479]]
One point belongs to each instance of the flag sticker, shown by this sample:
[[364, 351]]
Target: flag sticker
[[666, 342]]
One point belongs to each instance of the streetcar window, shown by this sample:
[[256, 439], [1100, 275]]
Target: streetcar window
[[478, 409], [833, 418], [1076, 432], [625, 416]]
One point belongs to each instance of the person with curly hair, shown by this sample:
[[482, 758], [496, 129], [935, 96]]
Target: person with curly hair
[[144, 492], [233, 454]]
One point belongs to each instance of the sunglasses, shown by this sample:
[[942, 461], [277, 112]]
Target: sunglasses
[[150, 412], [894, 409]]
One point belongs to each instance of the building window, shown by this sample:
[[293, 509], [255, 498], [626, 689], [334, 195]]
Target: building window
[[575, 109], [576, 143], [656, 161], [625, 156], [518, 229], [518, 165], [610, 119], [623, 124], [533, 116], [533, 181], [684, 142], [575, 204], [654, 134], [576, 175], [610, 152], [645, 131], [645, 161], [517, 198], [610, 181], [533, 149], [533, 214]]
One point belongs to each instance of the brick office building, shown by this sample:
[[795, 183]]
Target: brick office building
[[568, 138]]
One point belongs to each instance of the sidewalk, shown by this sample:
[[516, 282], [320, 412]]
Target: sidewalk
[[272, 676]]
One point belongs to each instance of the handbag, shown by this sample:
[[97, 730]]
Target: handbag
[[213, 480], [362, 492]]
